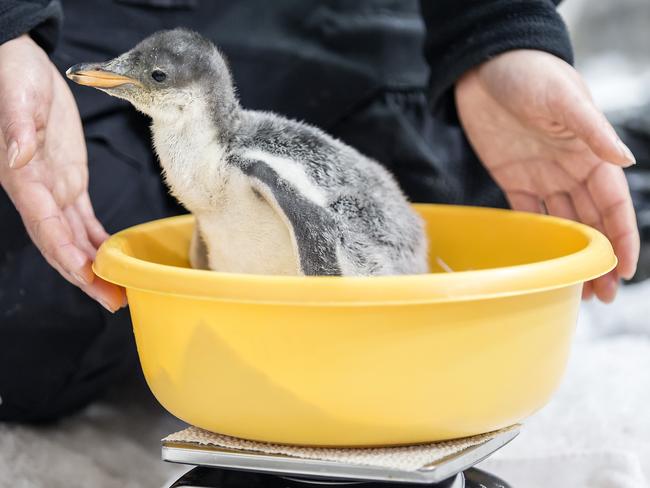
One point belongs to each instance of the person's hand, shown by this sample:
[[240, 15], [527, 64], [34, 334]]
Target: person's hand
[[533, 124], [43, 166]]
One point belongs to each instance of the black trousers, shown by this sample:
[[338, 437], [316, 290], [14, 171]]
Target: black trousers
[[58, 349]]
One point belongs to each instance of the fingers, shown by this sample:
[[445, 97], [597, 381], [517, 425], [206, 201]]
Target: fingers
[[79, 232], [55, 241], [605, 203], [608, 189], [606, 286], [110, 296], [561, 205], [89, 234], [587, 291], [82, 221], [524, 202], [589, 124], [19, 132], [51, 233], [96, 233], [588, 213], [60, 238]]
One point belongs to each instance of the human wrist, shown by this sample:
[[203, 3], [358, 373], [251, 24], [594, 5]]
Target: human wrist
[[485, 31], [21, 40], [41, 19]]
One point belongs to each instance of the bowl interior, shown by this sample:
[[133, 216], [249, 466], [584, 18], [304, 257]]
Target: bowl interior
[[493, 253], [464, 239]]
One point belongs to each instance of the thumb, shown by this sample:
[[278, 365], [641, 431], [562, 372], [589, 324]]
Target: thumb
[[19, 131], [590, 124]]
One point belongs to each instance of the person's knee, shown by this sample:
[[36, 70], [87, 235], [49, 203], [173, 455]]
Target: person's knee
[[56, 362], [59, 349]]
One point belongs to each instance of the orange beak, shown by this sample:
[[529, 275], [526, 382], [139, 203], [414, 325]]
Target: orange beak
[[98, 78]]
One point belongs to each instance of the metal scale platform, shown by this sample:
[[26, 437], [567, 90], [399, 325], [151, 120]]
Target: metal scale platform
[[217, 467]]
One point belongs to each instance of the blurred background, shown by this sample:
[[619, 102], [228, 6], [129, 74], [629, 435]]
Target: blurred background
[[594, 433], [612, 50]]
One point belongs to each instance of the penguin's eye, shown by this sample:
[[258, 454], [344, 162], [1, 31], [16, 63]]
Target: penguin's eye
[[158, 75]]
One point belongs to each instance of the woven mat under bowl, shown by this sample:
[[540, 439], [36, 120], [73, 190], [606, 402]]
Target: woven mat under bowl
[[407, 458]]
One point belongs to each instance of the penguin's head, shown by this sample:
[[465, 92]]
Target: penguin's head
[[164, 75]]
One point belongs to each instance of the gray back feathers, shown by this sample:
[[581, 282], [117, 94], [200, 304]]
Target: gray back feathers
[[371, 220]]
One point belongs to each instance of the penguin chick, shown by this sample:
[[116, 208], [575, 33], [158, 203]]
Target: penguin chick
[[270, 195]]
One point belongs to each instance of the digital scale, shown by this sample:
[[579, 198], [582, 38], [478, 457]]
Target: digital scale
[[217, 467]]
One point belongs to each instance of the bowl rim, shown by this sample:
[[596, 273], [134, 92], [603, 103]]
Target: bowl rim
[[595, 259]]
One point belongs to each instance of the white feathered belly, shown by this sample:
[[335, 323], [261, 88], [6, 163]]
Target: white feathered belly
[[245, 235]]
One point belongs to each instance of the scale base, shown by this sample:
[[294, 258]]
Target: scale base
[[202, 477], [220, 467]]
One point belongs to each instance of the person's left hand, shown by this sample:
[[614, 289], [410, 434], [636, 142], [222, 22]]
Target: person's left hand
[[533, 124]]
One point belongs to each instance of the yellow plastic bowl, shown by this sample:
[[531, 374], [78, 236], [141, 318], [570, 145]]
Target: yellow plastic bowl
[[362, 361]]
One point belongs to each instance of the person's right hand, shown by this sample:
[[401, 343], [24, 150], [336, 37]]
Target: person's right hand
[[43, 167], [531, 120]]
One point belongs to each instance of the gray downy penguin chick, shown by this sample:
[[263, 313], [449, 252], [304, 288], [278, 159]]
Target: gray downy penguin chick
[[270, 195]]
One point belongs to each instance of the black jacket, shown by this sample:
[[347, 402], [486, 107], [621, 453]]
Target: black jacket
[[309, 59]]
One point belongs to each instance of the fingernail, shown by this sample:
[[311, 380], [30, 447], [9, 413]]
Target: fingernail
[[625, 151], [13, 153], [80, 279], [628, 276], [611, 289], [106, 306]]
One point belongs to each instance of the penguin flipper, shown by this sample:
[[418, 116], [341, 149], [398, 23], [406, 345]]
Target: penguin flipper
[[311, 226], [198, 250]]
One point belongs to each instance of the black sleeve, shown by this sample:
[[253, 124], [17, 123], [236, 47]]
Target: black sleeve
[[40, 18], [463, 33]]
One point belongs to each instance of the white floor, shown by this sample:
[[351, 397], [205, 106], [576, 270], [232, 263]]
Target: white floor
[[596, 430], [595, 433]]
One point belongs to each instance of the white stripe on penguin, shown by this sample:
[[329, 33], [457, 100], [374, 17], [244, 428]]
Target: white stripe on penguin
[[292, 172]]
